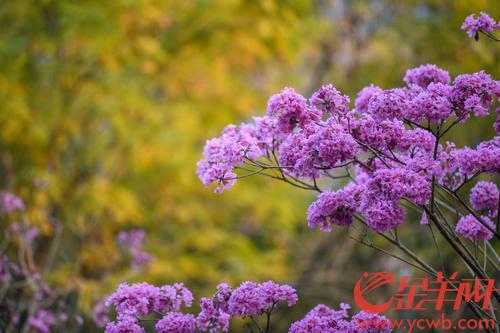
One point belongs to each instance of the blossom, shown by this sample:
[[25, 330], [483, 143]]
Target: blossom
[[273, 293], [334, 208], [484, 196], [176, 322], [211, 318], [364, 96], [482, 23], [323, 319], [124, 324], [473, 93], [329, 100], [251, 298], [424, 75], [142, 299], [388, 104], [329, 145], [382, 135], [382, 215], [222, 296], [291, 110], [432, 104], [221, 174], [471, 228]]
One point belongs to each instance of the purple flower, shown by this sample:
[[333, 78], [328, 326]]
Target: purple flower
[[10, 203], [273, 293], [389, 104], [329, 145], [424, 75], [176, 322], [330, 101], [211, 318], [432, 104], [218, 173], [473, 93], [142, 299], [482, 23], [484, 196], [334, 208], [364, 96], [291, 110], [471, 228], [251, 298], [382, 215], [322, 319], [124, 324]]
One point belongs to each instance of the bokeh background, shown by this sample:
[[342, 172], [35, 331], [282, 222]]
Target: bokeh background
[[105, 107]]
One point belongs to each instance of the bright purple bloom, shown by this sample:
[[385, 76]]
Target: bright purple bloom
[[322, 319], [334, 208], [218, 173], [484, 196], [211, 318], [291, 110], [176, 322], [432, 104], [482, 23], [424, 75], [473, 93], [382, 215], [124, 324], [471, 228], [364, 96], [142, 299], [389, 104], [330, 101], [251, 298], [329, 145]]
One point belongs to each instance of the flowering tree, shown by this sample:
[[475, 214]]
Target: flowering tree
[[392, 150]]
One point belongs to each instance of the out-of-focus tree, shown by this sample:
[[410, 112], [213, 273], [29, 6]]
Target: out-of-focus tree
[[104, 106]]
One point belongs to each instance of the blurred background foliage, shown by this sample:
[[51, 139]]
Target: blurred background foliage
[[105, 107]]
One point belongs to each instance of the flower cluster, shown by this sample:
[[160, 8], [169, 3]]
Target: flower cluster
[[482, 23], [485, 196], [131, 242], [142, 299], [322, 319], [470, 227], [249, 300], [388, 147]]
